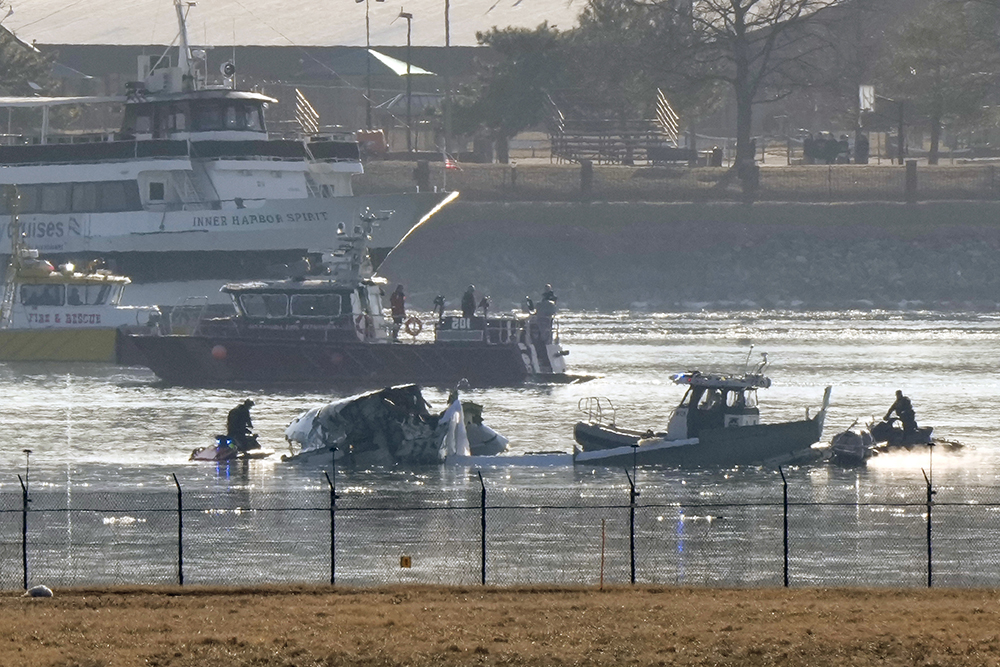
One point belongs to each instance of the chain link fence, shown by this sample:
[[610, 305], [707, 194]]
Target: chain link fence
[[793, 533]]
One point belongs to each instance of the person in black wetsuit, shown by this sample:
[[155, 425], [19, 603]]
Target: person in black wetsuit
[[239, 426], [904, 410], [469, 302]]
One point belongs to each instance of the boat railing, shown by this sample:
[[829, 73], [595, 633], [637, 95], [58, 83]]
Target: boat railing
[[185, 318], [599, 409]]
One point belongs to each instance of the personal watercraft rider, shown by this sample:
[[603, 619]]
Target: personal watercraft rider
[[904, 410], [239, 427]]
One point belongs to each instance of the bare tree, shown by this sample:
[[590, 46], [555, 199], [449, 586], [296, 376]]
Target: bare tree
[[761, 48]]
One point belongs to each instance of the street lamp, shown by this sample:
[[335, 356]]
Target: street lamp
[[368, 64], [409, 23], [447, 78]]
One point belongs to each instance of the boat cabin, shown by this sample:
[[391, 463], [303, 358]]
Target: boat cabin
[[41, 296], [714, 402], [314, 308]]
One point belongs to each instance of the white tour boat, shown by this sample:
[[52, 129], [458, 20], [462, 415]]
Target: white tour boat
[[192, 187]]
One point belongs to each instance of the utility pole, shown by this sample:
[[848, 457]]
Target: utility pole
[[409, 123], [368, 64]]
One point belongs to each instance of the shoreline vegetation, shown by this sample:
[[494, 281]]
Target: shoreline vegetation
[[441, 625]]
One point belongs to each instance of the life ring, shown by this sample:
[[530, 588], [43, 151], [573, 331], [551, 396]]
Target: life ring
[[414, 326]]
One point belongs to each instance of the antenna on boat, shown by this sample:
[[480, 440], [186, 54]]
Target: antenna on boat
[[746, 363], [184, 48]]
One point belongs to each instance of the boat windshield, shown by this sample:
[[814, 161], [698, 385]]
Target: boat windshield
[[87, 295], [162, 119], [263, 305], [317, 305], [43, 295]]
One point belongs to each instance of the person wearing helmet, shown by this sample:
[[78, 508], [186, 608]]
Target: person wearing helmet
[[239, 427], [469, 302]]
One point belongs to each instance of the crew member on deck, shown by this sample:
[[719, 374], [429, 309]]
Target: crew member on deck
[[397, 302], [239, 426], [904, 410], [469, 302], [548, 294], [484, 304], [439, 307]]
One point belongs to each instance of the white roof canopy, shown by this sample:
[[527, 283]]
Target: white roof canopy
[[398, 67]]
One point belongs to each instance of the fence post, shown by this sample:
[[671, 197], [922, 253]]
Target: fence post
[[24, 530], [333, 524], [180, 532], [784, 483], [632, 495], [930, 503], [482, 517]]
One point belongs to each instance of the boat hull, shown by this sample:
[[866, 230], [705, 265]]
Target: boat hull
[[59, 345], [207, 361], [598, 436], [747, 445]]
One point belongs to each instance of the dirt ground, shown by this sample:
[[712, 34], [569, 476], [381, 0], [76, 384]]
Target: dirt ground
[[471, 626]]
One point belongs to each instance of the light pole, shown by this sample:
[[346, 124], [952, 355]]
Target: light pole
[[447, 79], [368, 64], [409, 23]]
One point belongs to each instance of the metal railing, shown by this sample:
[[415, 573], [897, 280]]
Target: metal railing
[[787, 532]]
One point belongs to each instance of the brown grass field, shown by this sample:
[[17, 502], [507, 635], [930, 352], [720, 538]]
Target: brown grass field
[[417, 626]]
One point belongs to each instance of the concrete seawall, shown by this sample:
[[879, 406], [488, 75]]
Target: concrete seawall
[[610, 256]]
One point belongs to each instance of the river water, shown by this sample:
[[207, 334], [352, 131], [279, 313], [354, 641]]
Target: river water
[[108, 429], [108, 426]]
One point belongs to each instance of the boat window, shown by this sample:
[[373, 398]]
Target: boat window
[[315, 305], [686, 401], [207, 117], [84, 197], [255, 118], [710, 400], [156, 191], [29, 198], [735, 399], [42, 295], [74, 295], [144, 123], [55, 198], [264, 305], [751, 398], [97, 295], [118, 196]]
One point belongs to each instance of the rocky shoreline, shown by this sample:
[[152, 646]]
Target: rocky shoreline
[[664, 256]]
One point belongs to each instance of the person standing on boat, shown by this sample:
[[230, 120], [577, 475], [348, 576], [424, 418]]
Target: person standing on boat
[[397, 302], [545, 313], [484, 303], [239, 426], [439, 307], [469, 302], [904, 410]]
